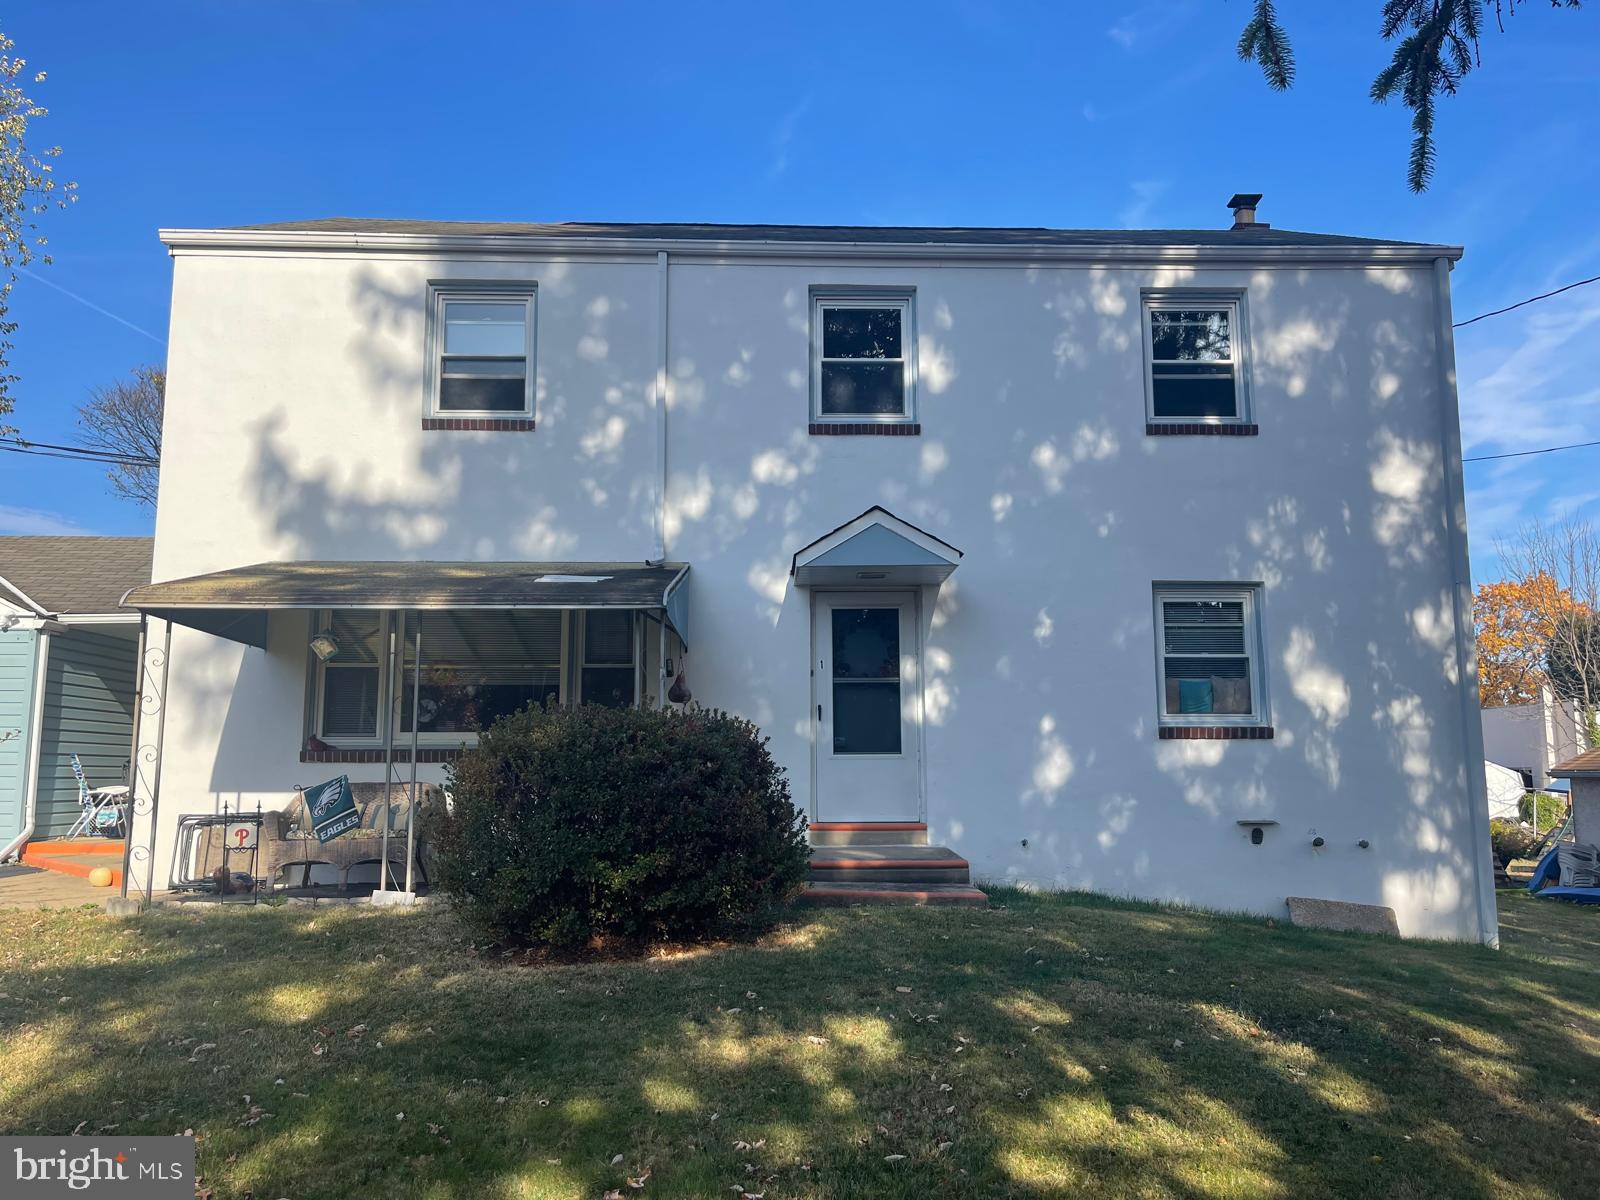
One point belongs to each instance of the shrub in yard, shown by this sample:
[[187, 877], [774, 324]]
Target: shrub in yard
[[1511, 840], [570, 825], [1542, 810]]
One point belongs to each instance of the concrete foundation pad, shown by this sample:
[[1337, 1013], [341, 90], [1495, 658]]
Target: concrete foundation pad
[[122, 906], [393, 899], [1342, 915]]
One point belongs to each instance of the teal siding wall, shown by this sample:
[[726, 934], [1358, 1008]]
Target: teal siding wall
[[88, 710], [17, 650]]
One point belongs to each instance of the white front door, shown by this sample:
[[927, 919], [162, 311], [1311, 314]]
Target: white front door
[[867, 705]]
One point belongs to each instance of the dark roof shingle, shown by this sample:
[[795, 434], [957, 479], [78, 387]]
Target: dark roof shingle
[[68, 575], [1261, 236]]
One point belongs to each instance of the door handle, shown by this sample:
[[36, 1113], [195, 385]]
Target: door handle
[[819, 712]]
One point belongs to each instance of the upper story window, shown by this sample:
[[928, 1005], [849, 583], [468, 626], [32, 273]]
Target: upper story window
[[863, 347], [1194, 359], [481, 349], [1210, 655]]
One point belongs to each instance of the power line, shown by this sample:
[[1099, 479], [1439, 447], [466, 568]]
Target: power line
[[85, 453], [1526, 453], [1530, 300]]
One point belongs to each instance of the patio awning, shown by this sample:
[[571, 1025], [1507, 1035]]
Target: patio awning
[[877, 549], [234, 604]]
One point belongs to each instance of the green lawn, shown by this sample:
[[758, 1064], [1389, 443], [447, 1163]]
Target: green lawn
[[1046, 1046]]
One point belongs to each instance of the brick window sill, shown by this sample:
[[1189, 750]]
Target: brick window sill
[[402, 754], [1216, 733], [866, 428], [487, 424], [1199, 429]]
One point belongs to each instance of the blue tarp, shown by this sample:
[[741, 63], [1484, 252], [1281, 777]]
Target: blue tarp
[[1548, 872]]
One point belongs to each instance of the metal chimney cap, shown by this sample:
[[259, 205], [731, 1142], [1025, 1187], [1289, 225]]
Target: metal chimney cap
[[1244, 210]]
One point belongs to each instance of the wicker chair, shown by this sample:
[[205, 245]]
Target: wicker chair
[[287, 839]]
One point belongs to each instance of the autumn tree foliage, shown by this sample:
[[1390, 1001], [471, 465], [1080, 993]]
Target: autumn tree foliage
[[1517, 620]]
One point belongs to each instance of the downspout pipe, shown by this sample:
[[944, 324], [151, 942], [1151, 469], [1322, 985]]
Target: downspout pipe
[[662, 374], [1461, 606], [30, 773]]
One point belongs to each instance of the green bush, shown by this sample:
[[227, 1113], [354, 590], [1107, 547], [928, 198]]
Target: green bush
[[591, 823], [1542, 810], [1511, 840]]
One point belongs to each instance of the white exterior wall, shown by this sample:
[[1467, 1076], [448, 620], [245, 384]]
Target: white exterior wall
[[295, 393]]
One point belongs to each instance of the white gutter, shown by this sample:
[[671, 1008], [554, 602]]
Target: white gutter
[[30, 773], [648, 248], [24, 597], [1461, 605]]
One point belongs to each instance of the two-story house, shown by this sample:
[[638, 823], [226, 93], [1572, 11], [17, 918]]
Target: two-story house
[[1131, 560]]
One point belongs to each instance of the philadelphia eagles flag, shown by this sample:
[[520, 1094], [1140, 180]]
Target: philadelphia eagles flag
[[332, 808]]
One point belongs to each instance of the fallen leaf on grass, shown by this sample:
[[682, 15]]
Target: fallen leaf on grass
[[616, 1160], [893, 1157], [816, 1041], [638, 1182], [903, 990]]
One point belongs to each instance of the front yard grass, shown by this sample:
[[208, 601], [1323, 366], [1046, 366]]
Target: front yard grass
[[1048, 1046]]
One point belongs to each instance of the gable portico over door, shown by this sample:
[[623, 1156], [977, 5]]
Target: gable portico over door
[[868, 581]]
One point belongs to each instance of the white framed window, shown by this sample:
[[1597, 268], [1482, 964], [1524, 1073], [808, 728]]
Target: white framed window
[[477, 666], [481, 665], [863, 356], [349, 697], [1208, 654], [481, 349], [1194, 357], [608, 666]]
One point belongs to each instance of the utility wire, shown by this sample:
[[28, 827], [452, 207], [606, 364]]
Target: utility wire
[[86, 453], [1526, 453], [1530, 300]]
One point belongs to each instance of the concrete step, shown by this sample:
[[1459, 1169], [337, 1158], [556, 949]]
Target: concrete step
[[833, 894], [869, 833], [895, 863], [76, 856]]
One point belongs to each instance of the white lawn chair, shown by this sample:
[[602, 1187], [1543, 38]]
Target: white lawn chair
[[104, 810]]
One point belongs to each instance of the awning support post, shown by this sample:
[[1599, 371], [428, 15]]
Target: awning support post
[[391, 716], [661, 663], [151, 701], [416, 726], [133, 754]]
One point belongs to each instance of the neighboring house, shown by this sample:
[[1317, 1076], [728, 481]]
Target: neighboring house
[[1533, 738], [1583, 771], [1505, 791], [67, 664], [1084, 549]]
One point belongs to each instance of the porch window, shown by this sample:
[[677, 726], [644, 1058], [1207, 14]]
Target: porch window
[[351, 680], [481, 338], [608, 676], [864, 365], [480, 666], [1210, 655]]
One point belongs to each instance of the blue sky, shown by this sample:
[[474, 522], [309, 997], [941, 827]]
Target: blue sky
[[942, 112]]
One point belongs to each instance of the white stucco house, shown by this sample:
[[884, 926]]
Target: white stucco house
[[1124, 560]]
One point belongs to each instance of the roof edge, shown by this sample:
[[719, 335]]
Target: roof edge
[[267, 241]]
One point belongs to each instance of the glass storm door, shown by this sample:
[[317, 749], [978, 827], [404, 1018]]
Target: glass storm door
[[866, 706]]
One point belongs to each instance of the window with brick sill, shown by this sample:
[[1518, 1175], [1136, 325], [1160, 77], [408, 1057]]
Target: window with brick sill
[[1210, 663], [863, 363]]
